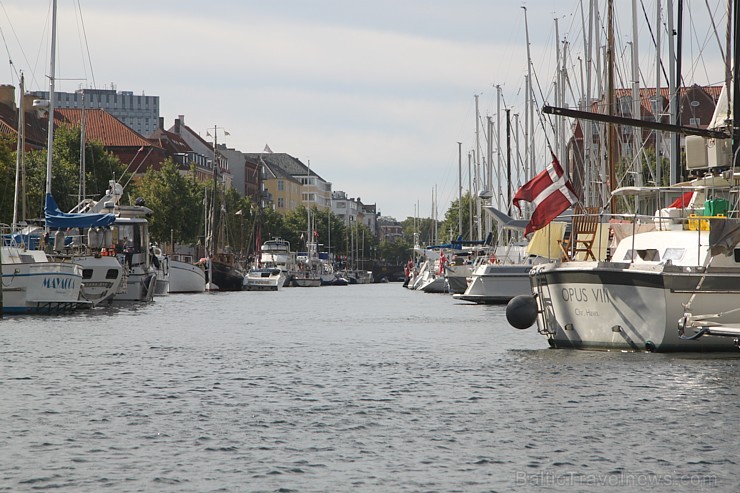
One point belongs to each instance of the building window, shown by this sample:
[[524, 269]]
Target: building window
[[281, 185], [695, 122], [281, 202]]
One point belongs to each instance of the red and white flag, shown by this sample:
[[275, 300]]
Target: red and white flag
[[550, 192]]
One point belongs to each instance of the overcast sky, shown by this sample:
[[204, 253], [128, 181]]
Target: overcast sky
[[375, 94]]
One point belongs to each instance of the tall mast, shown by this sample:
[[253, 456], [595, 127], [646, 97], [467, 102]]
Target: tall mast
[[81, 191], [477, 169], [675, 160], [658, 108], [736, 80], [610, 98], [636, 104], [459, 188], [214, 231], [19, 152], [677, 138], [52, 72]]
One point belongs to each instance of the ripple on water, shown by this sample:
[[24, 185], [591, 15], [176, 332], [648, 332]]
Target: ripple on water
[[373, 388]]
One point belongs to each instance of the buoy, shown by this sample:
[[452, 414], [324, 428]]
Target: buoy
[[521, 311]]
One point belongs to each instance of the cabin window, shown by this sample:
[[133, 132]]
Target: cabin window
[[647, 254], [87, 273], [737, 255], [674, 254], [111, 274]]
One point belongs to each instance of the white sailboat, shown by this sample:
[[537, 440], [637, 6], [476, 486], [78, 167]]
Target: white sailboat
[[80, 238], [671, 282]]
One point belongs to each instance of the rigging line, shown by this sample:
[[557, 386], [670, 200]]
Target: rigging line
[[714, 30], [703, 46], [77, 20], [7, 50], [87, 45], [539, 113], [652, 36], [17, 40]]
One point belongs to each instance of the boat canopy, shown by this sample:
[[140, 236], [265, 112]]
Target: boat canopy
[[63, 220]]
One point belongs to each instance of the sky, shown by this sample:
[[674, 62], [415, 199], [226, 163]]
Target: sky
[[375, 95]]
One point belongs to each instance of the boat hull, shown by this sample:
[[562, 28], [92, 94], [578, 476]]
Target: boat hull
[[496, 283], [619, 306], [186, 278], [226, 276], [101, 278], [264, 280], [48, 287]]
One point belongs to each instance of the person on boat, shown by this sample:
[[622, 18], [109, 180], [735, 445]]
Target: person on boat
[[128, 250]]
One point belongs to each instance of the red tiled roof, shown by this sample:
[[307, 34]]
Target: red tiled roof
[[101, 126], [171, 142], [649, 92]]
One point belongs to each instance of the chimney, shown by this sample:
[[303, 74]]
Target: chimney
[[7, 95], [28, 102], [161, 123]]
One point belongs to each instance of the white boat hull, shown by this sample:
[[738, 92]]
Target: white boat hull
[[186, 278], [101, 278], [497, 283], [264, 280], [47, 287], [619, 306]]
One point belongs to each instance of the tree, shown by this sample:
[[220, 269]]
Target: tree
[[101, 166], [176, 203], [7, 180], [448, 230], [424, 227]]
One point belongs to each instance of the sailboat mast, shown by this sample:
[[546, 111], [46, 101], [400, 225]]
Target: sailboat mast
[[52, 72], [459, 188], [19, 152], [612, 148], [81, 192], [736, 81], [214, 231]]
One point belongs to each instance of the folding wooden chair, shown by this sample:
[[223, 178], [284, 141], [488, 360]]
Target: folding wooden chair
[[583, 229]]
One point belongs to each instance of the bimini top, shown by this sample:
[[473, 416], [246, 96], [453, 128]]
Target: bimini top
[[63, 220]]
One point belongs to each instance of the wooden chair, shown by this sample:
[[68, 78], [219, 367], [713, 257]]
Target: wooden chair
[[583, 229]]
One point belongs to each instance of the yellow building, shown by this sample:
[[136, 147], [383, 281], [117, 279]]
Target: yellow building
[[291, 183]]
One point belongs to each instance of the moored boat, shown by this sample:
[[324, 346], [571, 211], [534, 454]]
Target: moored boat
[[264, 279], [185, 276], [32, 284]]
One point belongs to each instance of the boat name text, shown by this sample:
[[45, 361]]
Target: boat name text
[[584, 295], [59, 283]]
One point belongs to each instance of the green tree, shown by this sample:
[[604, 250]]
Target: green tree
[[101, 166], [7, 179], [176, 203], [448, 230], [424, 227]]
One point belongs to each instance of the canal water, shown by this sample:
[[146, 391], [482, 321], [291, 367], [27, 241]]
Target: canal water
[[357, 388]]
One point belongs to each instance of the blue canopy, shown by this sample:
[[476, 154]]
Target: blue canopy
[[63, 220]]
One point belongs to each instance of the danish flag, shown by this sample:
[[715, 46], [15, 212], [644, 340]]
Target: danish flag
[[550, 192]]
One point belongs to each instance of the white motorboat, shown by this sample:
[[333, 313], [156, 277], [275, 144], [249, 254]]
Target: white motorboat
[[276, 253], [130, 243], [264, 279]]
